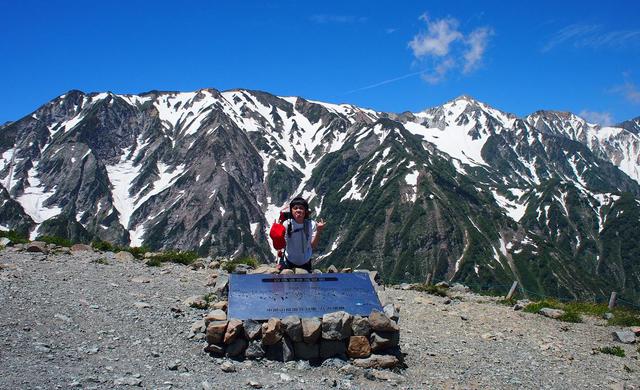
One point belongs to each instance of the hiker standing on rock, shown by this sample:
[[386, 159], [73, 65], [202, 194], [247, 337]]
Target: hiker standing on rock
[[296, 236]]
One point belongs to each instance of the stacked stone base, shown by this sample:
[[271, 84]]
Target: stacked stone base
[[372, 342]]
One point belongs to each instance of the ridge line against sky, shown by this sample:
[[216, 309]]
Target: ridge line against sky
[[582, 57]]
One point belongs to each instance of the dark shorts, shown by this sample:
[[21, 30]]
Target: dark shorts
[[286, 264]]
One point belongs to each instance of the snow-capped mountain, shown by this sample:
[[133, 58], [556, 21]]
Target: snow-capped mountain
[[463, 190]]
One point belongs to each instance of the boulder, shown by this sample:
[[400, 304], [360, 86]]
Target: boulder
[[360, 326], [4, 241], [392, 311], [81, 248], [236, 348], [300, 271], [124, 256], [287, 272], [281, 351], [222, 283], [252, 329], [384, 340], [635, 330], [331, 348], [220, 305], [214, 264], [332, 269], [625, 336], [264, 269], [196, 301], [37, 246], [346, 270], [216, 315], [380, 322], [293, 328], [336, 325], [197, 264], [359, 347], [255, 350], [377, 361], [197, 327], [234, 328], [311, 330], [551, 313], [271, 331], [306, 351], [217, 350], [216, 331]]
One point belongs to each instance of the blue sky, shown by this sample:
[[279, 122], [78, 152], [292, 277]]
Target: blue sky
[[582, 57]]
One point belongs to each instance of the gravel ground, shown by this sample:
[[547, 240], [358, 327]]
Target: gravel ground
[[86, 320]]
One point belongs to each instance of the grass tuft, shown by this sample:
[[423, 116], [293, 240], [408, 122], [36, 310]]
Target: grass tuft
[[231, 265], [431, 289], [55, 240], [15, 237], [616, 351]]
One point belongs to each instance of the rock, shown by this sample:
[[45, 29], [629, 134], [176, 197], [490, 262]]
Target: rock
[[141, 305], [380, 322], [518, 306], [447, 301], [222, 283], [331, 348], [377, 361], [607, 316], [300, 271], [174, 365], [293, 328], [442, 284], [252, 329], [391, 311], [635, 330], [254, 384], [197, 327], [265, 269], [359, 347], [332, 269], [215, 349], [311, 330], [234, 328], [141, 279], [242, 269], [81, 248], [316, 271], [4, 241], [624, 336], [459, 288], [216, 331], [37, 246], [237, 347], [281, 351], [335, 363], [211, 279], [384, 340], [124, 256], [214, 265], [287, 272], [255, 350], [127, 381], [336, 325], [271, 331], [216, 315], [196, 301], [551, 313], [220, 305], [346, 270], [360, 326], [306, 351], [228, 367], [197, 264]]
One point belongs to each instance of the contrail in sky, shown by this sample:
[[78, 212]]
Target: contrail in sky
[[385, 82]]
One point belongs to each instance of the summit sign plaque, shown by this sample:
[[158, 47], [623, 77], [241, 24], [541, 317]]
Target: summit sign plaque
[[260, 297]]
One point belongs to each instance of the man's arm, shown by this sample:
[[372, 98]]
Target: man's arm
[[316, 237]]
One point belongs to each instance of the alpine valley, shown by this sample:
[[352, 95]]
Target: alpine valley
[[463, 191]]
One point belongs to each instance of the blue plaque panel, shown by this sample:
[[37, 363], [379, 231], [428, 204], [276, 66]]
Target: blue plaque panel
[[261, 297]]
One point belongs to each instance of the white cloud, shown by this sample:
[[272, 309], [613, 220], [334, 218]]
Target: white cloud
[[446, 48], [338, 19], [629, 90], [593, 36], [601, 118]]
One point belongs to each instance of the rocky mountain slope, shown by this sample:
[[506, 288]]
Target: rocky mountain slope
[[87, 320], [462, 191]]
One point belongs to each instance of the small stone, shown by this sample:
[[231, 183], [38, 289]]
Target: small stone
[[607, 316], [196, 265], [197, 327], [359, 347], [271, 331], [635, 330], [381, 341], [442, 284], [346, 270], [252, 329], [464, 317], [360, 326], [81, 248], [391, 311], [300, 271], [447, 301], [124, 256], [293, 328], [237, 347], [625, 337], [214, 265], [127, 381], [459, 288], [214, 349], [174, 365], [221, 305], [216, 315], [264, 269], [287, 272], [196, 301], [141, 279], [380, 322], [311, 330], [336, 325], [377, 361], [222, 284], [254, 384], [332, 269], [551, 313], [234, 328], [37, 246], [228, 367], [141, 305]]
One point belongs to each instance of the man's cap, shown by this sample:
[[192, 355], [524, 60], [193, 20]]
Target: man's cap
[[299, 201]]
